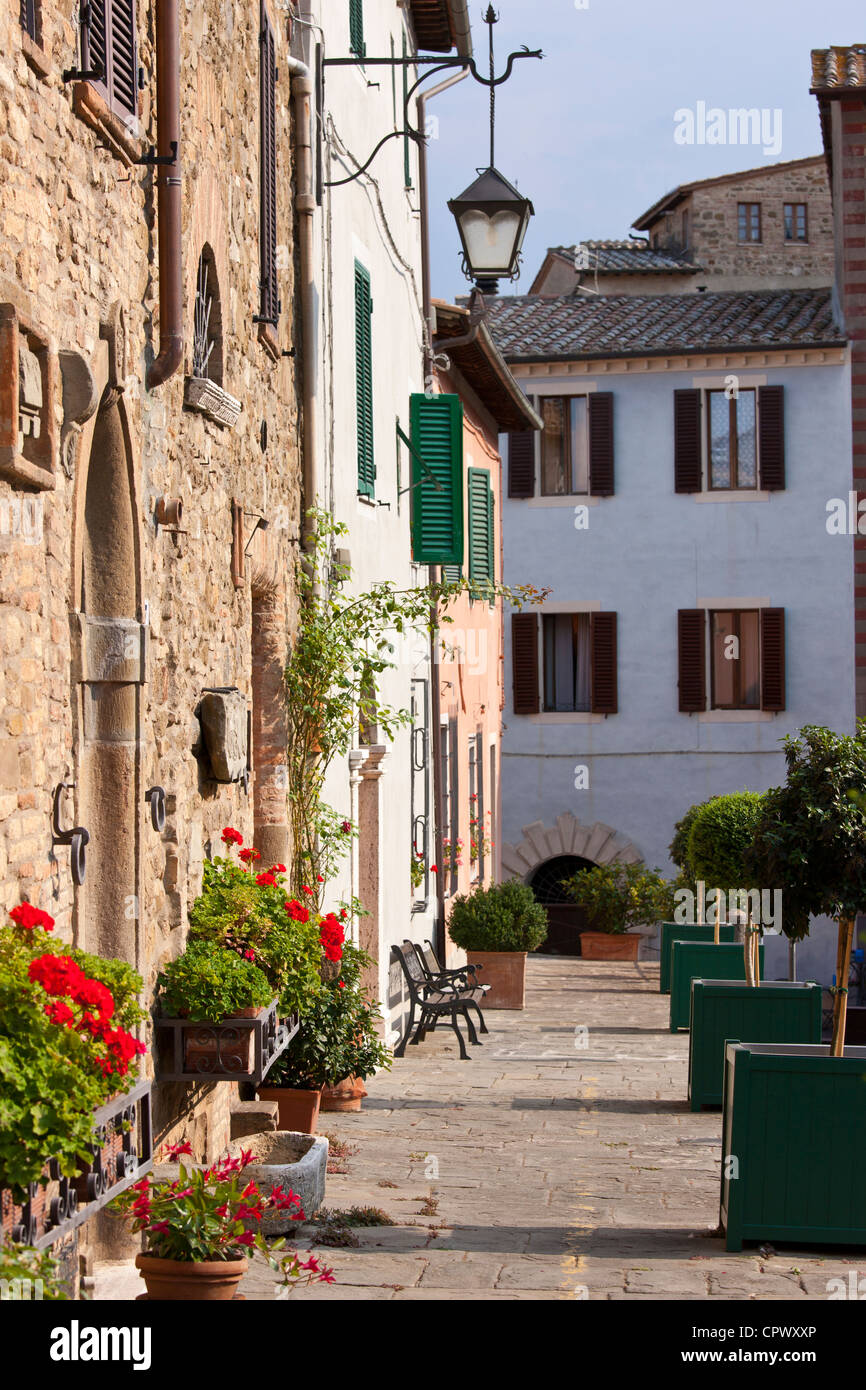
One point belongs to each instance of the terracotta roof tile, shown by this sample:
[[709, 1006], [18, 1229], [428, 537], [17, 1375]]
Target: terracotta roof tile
[[632, 257], [839, 67]]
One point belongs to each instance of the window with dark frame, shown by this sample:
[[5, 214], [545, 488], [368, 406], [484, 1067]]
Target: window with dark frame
[[796, 222], [749, 222], [207, 356], [735, 659], [564, 446], [567, 662], [732, 451], [356, 29]]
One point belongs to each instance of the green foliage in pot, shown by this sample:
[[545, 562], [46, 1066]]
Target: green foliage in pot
[[503, 917], [720, 837], [338, 1035], [618, 896], [208, 983], [29, 1274]]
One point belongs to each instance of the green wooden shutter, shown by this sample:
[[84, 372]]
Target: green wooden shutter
[[364, 381], [437, 511], [480, 527], [356, 28], [452, 573]]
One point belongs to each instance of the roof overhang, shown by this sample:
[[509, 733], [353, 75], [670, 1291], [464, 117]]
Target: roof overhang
[[441, 25], [484, 369]]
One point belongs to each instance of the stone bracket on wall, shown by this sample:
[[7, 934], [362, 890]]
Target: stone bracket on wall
[[80, 399], [108, 650]]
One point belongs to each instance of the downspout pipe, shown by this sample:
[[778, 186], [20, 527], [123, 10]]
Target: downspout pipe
[[305, 206], [168, 195]]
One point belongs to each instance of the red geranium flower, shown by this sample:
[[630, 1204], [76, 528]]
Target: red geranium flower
[[297, 912], [27, 916], [265, 880], [248, 855], [60, 1013], [278, 868], [346, 826], [308, 890], [231, 837]]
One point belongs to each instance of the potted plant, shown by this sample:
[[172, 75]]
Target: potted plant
[[497, 926], [735, 1002], [200, 1226], [209, 984], [698, 929], [795, 1110], [617, 898]]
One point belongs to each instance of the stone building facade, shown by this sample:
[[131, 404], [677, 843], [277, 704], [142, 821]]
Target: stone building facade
[[136, 569]]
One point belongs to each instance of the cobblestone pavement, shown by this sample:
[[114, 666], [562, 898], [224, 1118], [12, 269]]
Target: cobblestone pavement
[[546, 1170]]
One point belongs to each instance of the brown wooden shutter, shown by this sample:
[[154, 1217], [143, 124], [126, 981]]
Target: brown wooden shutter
[[771, 437], [269, 304], [601, 443], [521, 463], [692, 660], [524, 659], [772, 658], [602, 632], [122, 59], [687, 441]]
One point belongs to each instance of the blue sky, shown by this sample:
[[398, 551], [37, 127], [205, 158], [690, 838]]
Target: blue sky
[[588, 133]]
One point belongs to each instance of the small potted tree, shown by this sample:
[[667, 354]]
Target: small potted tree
[[794, 1119], [617, 898], [497, 926], [722, 984], [691, 924]]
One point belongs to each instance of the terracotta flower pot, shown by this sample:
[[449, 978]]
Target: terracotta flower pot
[[601, 945], [505, 972], [345, 1097], [183, 1281], [296, 1110]]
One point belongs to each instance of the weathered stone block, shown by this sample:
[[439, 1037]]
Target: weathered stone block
[[223, 715]]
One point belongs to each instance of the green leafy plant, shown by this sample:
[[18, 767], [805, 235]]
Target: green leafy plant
[[204, 1214], [209, 983], [679, 846], [338, 1035], [810, 841], [501, 917], [618, 896], [27, 1274], [417, 868], [719, 840]]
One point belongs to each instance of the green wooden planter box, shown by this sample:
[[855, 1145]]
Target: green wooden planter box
[[670, 932], [776, 1011], [702, 960], [794, 1133]]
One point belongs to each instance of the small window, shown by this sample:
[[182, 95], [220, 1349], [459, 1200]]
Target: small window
[[735, 654], [109, 47], [29, 17], [564, 446], [796, 222], [269, 300], [732, 444], [356, 28], [207, 354], [749, 222], [567, 662]]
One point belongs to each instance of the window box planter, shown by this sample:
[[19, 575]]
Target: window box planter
[[505, 973], [705, 961], [297, 1111], [775, 1011], [670, 932], [297, 1162], [235, 1049], [211, 400], [602, 945], [122, 1154], [795, 1122]]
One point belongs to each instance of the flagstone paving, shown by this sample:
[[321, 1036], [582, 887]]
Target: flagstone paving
[[561, 1162]]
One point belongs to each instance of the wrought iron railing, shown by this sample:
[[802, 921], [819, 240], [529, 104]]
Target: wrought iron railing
[[236, 1049]]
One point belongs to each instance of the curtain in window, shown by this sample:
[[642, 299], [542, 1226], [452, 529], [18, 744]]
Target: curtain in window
[[567, 662]]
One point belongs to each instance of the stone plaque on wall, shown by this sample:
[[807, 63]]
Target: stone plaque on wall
[[223, 715]]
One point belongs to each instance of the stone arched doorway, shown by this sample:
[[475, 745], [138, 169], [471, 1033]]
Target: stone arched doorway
[[565, 919]]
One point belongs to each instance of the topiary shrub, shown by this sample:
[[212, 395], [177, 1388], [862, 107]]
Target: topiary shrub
[[721, 833], [503, 917], [679, 846]]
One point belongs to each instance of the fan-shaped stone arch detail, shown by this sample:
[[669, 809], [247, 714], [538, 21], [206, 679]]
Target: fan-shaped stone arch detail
[[598, 842]]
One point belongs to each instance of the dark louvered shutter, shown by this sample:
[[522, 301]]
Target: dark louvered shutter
[[772, 659], [122, 63], [601, 443], [480, 528], [692, 660], [771, 437], [437, 479], [269, 304], [94, 46], [364, 381], [602, 632], [27, 18], [687, 441], [521, 463], [452, 574], [524, 660], [356, 28]]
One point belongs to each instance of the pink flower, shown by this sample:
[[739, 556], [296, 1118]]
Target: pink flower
[[247, 1238], [175, 1150], [346, 826]]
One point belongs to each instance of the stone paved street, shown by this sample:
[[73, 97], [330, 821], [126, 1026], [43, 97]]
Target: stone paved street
[[562, 1172]]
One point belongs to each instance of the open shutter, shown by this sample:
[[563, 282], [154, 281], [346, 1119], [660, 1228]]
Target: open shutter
[[27, 18], [600, 443], [491, 535], [480, 527], [524, 660], [94, 49], [437, 479], [692, 660], [602, 634], [771, 437], [123, 69], [772, 659], [687, 441], [521, 463], [269, 304], [356, 28], [364, 381]]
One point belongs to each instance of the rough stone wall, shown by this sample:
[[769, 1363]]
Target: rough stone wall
[[77, 239]]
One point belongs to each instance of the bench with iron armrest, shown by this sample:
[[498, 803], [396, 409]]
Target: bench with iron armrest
[[461, 977], [434, 999]]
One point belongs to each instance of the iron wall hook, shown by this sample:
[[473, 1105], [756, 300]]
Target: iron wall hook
[[156, 800], [76, 838]]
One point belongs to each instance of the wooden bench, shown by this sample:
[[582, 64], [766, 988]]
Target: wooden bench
[[435, 997]]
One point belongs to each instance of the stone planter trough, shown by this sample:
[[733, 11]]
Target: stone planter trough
[[296, 1162]]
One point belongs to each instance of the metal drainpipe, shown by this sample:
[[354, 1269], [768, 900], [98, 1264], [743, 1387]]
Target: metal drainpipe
[[305, 205], [168, 187], [435, 572]]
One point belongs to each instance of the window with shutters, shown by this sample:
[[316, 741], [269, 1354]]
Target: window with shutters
[[732, 443], [741, 445], [482, 564], [29, 17], [578, 663], [567, 662], [364, 381], [436, 431], [269, 298], [745, 648], [109, 47], [356, 28], [749, 222], [735, 659], [575, 449], [564, 446]]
